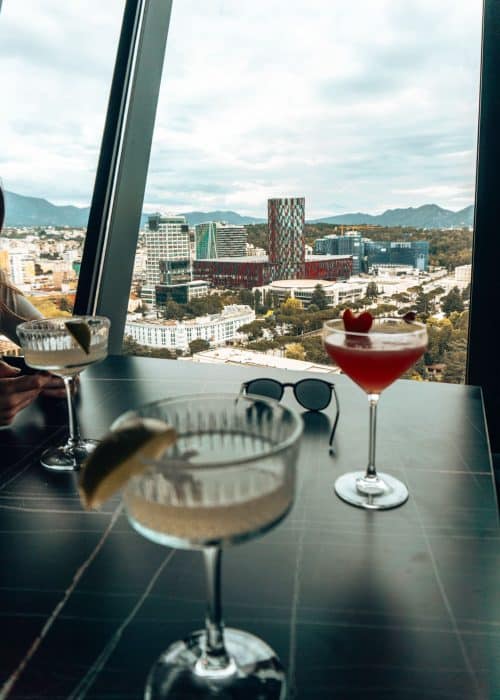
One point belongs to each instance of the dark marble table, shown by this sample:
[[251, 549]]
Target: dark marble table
[[378, 605]]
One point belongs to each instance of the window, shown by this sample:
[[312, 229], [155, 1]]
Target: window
[[339, 116], [57, 62]]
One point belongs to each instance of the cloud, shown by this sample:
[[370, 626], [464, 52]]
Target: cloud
[[368, 105]]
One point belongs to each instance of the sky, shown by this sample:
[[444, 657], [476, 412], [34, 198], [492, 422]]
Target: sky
[[357, 106]]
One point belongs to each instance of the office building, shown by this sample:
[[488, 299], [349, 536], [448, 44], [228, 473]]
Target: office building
[[167, 239], [397, 253], [181, 293], [249, 272], [218, 239], [303, 290], [286, 219], [351, 243]]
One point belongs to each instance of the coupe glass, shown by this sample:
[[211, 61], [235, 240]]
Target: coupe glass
[[374, 360], [229, 477], [48, 346]]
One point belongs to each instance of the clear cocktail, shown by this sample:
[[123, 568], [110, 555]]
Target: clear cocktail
[[229, 477], [65, 347], [374, 360]]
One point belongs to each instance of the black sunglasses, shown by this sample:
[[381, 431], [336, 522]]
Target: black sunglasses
[[312, 394]]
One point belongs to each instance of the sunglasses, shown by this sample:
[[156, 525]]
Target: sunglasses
[[312, 394]]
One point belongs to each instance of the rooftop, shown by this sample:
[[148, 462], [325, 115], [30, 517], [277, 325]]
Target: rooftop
[[249, 358]]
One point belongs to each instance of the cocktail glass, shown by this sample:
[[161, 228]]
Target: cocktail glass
[[49, 346], [229, 477], [374, 360]]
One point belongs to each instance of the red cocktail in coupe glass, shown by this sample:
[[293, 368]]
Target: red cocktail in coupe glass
[[374, 360]]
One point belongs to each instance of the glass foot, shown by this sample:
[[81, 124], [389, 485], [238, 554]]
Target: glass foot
[[381, 493], [68, 457], [255, 672]]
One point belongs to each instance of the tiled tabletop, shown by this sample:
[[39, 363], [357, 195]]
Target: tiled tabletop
[[379, 605]]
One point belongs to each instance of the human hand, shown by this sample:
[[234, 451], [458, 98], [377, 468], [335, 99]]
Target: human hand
[[17, 391], [54, 388]]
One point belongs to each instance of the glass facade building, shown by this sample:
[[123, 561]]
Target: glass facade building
[[412, 253], [348, 244], [218, 239]]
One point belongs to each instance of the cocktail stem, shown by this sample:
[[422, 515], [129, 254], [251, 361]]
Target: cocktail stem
[[370, 469], [216, 660], [74, 431]]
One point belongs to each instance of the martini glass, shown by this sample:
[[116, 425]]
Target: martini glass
[[374, 360], [229, 477], [48, 346]]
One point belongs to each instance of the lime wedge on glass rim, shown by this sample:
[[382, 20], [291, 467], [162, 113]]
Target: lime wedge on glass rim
[[121, 454], [81, 333]]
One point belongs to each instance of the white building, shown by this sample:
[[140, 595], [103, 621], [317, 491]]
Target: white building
[[335, 292], [463, 276], [168, 240], [216, 329], [21, 269]]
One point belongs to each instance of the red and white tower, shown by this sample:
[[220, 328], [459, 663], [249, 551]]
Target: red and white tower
[[286, 218]]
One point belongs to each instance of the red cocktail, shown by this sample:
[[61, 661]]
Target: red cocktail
[[374, 359]]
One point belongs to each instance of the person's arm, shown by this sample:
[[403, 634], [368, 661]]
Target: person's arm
[[19, 309], [16, 310]]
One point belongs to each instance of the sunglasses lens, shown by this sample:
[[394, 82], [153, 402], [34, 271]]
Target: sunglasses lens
[[313, 394], [265, 387]]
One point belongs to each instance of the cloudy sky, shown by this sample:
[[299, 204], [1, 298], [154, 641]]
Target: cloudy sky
[[357, 105]]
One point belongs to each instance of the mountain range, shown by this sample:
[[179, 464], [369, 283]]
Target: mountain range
[[33, 211]]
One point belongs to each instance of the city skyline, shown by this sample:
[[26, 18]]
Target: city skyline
[[376, 115]]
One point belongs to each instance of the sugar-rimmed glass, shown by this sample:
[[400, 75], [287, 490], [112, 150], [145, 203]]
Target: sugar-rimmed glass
[[374, 360], [49, 346], [229, 477]]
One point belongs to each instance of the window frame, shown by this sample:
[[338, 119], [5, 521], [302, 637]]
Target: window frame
[[115, 214]]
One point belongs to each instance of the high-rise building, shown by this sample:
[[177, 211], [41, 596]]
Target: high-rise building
[[166, 240], [351, 243], [218, 239], [286, 219]]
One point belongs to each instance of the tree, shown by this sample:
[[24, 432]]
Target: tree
[[295, 351], [257, 298], [174, 311], [371, 290], [318, 298], [66, 305], [254, 330], [246, 297], [452, 301], [455, 361], [423, 304], [291, 306], [198, 345]]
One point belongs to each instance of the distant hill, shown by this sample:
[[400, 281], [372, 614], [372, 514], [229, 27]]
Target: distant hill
[[426, 216], [34, 211]]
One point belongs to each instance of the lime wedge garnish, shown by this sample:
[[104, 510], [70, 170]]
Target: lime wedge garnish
[[81, 333], [121, 454]]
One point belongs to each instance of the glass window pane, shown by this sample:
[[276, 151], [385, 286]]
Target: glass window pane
[[57, 62], [278, 123]]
